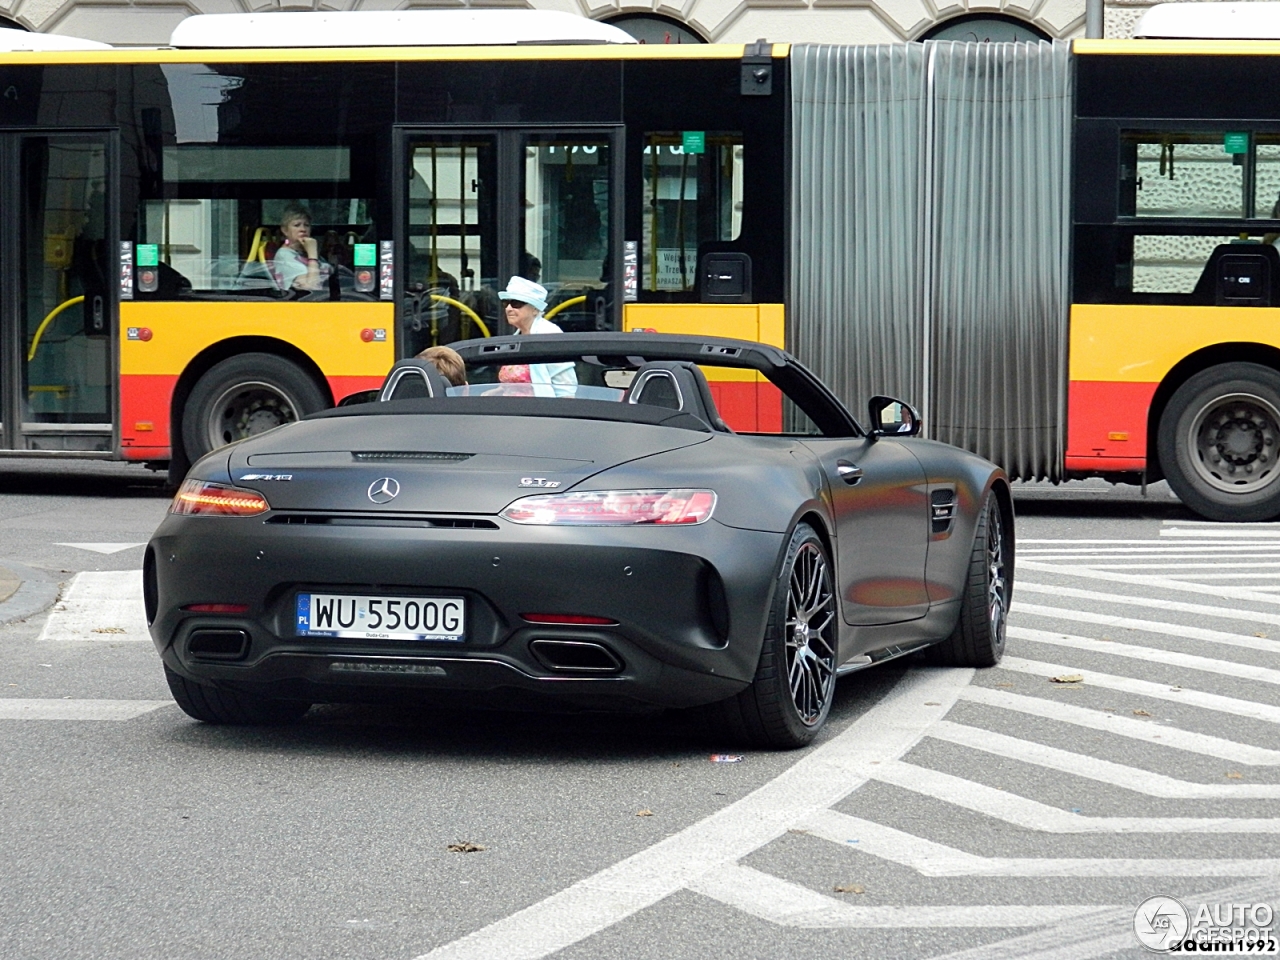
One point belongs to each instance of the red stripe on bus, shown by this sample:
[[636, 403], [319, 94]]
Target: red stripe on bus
[[748, 407], [1107, 421], [144, 415], [346, 386]]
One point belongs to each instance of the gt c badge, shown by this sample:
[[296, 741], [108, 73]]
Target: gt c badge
[[539, 482], [384, 490]]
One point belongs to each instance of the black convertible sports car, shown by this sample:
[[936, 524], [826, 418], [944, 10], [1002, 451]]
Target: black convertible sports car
[[609, 544]]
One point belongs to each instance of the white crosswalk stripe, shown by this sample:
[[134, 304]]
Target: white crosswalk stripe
[[1197, 604], [99, 606]]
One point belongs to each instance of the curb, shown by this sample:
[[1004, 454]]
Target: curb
[[37, 593]]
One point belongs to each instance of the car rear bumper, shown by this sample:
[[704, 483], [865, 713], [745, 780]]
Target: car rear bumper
[[689, 606]]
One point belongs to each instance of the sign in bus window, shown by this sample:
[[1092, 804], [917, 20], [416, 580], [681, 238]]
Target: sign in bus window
[[1199, 175], [691, 197]]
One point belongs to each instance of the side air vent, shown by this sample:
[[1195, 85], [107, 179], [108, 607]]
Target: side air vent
[[942, 506], [576, 656], [218, 644], [408, 456], [420, 523]]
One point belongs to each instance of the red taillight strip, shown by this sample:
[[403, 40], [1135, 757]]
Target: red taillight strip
[[216, 608], [574, 619]]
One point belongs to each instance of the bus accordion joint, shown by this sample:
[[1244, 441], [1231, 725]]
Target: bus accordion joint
[[572, 302], [49, 318], [440, 298]]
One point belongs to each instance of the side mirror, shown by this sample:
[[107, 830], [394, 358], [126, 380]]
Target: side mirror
[[364, 396], [892, 418]]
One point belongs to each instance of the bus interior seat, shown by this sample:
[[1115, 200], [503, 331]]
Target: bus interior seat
[[676, 385], [413, 379]]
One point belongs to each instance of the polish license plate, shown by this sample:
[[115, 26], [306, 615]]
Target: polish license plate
[[381, 618]]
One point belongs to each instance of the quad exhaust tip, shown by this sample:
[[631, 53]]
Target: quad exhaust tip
[[575, 656]]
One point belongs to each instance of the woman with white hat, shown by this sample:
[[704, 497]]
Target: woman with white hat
[[524, 301]]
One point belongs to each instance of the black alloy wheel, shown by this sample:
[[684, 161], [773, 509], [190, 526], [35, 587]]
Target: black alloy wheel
[[979, 634], [790, 698], [1219, 442], [213, 705], [243, 396]]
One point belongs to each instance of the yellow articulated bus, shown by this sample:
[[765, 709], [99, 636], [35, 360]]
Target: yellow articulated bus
[[1065, 257], [158, 308]]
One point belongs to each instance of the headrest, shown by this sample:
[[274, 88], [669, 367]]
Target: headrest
[[413, 378], [676, 385]]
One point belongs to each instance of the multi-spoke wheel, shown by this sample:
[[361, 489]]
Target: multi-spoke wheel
[[978, 637], [1219, 442], [790, 697]]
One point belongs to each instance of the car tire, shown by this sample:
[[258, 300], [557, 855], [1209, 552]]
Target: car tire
[[979, 634], [1219, 442], [243, 396], [212, 705], [790, 696]]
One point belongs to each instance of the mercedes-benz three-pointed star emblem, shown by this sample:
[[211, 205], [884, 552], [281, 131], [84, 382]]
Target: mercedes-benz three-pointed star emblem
[[384, 490]]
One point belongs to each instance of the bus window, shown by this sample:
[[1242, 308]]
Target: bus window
[[452, 269], [1267, 172], [1171, 264], [692, 195], [1184, 175], [566, 205], [216, 232]]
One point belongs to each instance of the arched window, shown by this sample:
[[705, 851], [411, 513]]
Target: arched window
[[652, 28], [984, 28]]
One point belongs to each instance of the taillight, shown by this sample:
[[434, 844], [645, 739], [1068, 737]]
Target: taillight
[[614, 508], [216, 608], [200, 498], [567, 619]]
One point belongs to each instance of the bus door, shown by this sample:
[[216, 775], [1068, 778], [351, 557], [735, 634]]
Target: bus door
[[57, 386], [480, 207]]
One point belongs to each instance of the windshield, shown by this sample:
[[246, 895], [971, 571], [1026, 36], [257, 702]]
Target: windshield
[[576, 392]]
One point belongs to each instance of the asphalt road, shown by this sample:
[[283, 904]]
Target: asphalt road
[[1002, 813]]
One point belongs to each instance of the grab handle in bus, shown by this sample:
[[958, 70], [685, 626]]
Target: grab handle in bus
[[35, 341], [438, 298], [572, 302]]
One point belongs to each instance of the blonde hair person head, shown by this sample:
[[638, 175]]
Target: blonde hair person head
[[449, 362]]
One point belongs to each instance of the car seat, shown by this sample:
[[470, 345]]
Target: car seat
[[413, 378], [676, 385]]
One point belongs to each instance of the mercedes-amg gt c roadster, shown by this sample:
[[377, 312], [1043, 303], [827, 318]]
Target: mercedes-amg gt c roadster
[[605, 545]]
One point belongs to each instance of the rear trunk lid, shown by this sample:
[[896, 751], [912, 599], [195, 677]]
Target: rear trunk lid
[[437, 464]]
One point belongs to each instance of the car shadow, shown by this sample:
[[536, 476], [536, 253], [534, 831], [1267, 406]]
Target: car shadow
[[426, 731]]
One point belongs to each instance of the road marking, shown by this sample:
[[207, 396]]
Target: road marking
[[823, 777], [790, 905], [932, 859], [1159, 735], [1179, 564], [1134, 779], [100, 605], [33, 709], [1152, 626], [1159, 583], [1034, 815], [1226, 668], [1156, 603], [1219, 534], [106, 548], [1079, 939], [1145, 688]]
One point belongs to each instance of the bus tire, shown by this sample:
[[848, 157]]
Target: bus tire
[[246, 395], [1219, 442]]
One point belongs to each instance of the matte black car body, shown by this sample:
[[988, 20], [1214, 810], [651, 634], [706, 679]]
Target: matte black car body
[[689, 604]]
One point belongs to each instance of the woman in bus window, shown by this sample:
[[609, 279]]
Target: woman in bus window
[[297, 263]]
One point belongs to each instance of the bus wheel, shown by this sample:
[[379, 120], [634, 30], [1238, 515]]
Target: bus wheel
[[1219, 442], [243, 396]]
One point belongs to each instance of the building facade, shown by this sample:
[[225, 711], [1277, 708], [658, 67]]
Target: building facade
[[149, 22]]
